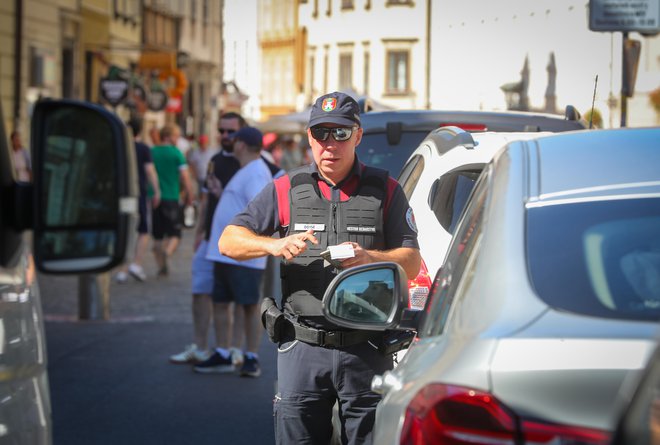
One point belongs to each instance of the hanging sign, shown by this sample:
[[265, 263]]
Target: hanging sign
[[157, 100], [625, 16], [114, 91]]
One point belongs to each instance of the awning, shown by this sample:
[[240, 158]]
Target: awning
[[153, 60]]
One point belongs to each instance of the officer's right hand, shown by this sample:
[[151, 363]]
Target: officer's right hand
[[293, 245]]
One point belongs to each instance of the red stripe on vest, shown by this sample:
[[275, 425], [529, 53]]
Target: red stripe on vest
[[282, 187]]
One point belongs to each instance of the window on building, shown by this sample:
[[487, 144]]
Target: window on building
[[325, 69], [367, 62], [398, 72], [312, 68], [399, 2], [347, 4], [315, 11], [345, 71], [36, 67], [328, 11], [205, 12], [127, 10], [68, 63]]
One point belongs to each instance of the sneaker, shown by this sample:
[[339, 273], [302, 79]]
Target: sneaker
[[190, 355], [236, 356], [216, 364], [250, 367], [121, 277], [137, 272]]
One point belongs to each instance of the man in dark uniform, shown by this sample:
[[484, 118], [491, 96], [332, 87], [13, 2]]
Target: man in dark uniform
[[335, 200]]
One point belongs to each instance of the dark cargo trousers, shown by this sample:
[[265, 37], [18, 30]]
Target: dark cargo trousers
[[311, 378]]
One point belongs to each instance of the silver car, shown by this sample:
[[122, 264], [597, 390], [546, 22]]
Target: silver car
[[547, 302]]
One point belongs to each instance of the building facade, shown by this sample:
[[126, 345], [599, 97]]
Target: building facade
[[374, 48], [200, 43], [481, 45], [282, 49]]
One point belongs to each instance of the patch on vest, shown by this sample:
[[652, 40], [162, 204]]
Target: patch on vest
[[362, 229], [410, 219], [303, 227]]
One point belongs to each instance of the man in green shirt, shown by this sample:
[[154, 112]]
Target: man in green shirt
[[172, 171]]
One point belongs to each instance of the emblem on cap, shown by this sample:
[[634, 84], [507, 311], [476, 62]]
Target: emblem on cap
[[329, 104]]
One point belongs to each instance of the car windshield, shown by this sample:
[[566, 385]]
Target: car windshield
[[374, 150], [599, 258]]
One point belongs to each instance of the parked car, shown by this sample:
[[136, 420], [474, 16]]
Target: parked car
[[438, 178], [545, 305], [389, 137], [82, 208], [640, 421]]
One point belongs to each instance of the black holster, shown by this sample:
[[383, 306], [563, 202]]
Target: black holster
[[272, 318]]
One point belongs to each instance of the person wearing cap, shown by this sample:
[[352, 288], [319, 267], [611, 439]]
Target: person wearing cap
[[234, 281], [320, 363], [220, 169]]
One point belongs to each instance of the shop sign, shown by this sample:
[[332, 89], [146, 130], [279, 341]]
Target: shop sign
[[114, 91], [157, 100], [625, 15], [174, 105]]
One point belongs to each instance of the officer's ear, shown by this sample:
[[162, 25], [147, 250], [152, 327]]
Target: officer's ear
[[310, 138], [358, 139]]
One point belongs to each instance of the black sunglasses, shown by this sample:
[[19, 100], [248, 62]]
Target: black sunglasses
[[226, 130], [340, 134]]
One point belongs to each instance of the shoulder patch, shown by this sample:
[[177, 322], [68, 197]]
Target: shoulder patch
[[410, 219]]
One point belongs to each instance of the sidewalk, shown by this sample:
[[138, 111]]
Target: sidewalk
[[111, 382], [165, 299]]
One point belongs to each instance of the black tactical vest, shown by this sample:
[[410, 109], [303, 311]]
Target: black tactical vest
[[359, 219]]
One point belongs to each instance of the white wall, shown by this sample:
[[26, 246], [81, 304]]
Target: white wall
[[479, 45], [242, 64]]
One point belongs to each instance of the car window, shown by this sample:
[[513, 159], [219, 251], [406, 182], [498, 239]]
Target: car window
[[598, 258], [449, 194], [462, 247], [374, 150], [410, 174]]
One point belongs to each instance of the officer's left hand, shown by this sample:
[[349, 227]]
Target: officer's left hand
[[361, 256]]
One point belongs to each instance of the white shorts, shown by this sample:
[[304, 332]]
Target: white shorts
[[202, 271]]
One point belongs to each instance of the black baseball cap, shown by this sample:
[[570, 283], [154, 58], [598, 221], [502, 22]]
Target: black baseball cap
[[250, 135], [335, 108]]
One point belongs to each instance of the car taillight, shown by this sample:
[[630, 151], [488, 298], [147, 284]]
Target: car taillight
[[453, 415], [465, 126], [418, 289]]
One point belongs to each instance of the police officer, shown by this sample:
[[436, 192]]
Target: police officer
[[333, 201]]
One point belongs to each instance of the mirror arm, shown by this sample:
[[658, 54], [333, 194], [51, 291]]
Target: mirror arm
[[22, 215], [410, 319]]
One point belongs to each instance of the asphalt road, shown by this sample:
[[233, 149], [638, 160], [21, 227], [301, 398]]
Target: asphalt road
[[111, 382]]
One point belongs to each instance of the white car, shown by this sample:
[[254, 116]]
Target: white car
[[437, 180]]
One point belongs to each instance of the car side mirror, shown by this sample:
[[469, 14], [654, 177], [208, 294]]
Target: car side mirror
[[369, 297], [85, 187]]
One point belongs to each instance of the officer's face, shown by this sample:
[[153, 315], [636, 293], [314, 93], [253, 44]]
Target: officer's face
[[333, 158]]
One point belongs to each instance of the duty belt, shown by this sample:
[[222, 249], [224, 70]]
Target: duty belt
[[328, 339]]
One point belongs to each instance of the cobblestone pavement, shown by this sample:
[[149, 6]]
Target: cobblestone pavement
[[157, 299]]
